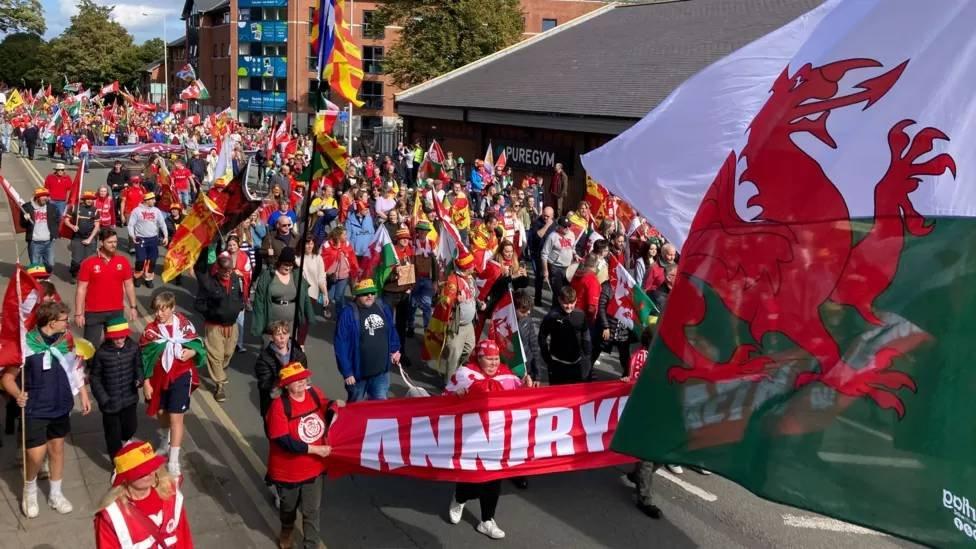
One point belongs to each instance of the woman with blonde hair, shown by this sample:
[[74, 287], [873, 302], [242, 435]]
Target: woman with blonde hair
[[142, 492]]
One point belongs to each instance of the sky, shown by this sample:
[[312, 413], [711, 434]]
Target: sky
[[129, 13]]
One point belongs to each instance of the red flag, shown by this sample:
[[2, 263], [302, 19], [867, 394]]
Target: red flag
[[22, 295], [109, 88], [487, 278], [15, 202], [178, 107], [74, 198], [282, 134], [502, 160]]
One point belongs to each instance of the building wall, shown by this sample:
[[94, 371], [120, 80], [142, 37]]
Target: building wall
[[217, 65], [558, 11]]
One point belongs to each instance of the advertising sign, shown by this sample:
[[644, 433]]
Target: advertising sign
[[261, 101], [262, 31], [253, 65]]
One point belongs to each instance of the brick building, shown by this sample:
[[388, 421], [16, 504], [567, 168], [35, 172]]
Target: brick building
[[241, 50]]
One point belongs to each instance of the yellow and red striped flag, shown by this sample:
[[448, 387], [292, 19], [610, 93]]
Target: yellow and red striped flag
[[344, 70], [194, 233]]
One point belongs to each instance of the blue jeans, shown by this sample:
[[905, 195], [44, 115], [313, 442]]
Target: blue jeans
[[60, 206], [371, 388], [185, 198], [41, 252], [422, 297], [84, 157], [337, 294], [240, 330]]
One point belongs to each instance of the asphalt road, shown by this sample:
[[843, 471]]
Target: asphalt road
[[584, 509]]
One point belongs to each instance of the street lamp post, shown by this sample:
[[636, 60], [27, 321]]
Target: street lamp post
[[165, 60]]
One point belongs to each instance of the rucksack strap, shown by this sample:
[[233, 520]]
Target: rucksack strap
[[286, 402]]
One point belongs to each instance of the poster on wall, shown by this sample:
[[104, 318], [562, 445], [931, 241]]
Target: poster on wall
[[262, 31], [262, 3], [261, 101], [251, 65]]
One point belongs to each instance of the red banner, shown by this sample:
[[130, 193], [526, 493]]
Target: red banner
[[481, 437]]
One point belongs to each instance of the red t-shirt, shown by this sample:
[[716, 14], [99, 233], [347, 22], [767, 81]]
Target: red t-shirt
[[307, 424], [181, 179], [106, 282], [58, 186]]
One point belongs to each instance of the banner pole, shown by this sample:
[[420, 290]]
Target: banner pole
[[306, 207]]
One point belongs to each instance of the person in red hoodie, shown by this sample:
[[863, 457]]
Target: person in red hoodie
[[59, 185], [182, 179], [141, 491], [341, 266]]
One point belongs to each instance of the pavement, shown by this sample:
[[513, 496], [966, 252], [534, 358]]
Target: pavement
[[229, 506]]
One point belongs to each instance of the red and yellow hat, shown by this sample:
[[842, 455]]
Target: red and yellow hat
[[41, 191], [134, 461], [364, 286], [149, 196], [88, 195], [38, 271], [116, 328], [464, 261], [292, 373], [402, 233]]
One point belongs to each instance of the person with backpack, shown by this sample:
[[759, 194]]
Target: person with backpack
[[297, 424]]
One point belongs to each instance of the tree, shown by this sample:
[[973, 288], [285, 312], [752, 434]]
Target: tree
[[151, 50], [94, 49], [22, 15], [438, 36], [20, 54]]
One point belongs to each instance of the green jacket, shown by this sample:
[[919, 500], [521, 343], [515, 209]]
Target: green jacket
[[261, 301]]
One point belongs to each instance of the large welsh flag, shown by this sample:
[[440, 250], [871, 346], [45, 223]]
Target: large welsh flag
[[818, 347], [382, 257], [502, 327]]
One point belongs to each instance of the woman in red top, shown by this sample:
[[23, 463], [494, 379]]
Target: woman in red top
[[144, 508], [297, 423], [587, 287], [105, 206], [341, 266]]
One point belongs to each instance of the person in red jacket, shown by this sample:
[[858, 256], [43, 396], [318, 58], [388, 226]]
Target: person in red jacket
[[58, 184], [144, 508], [105, 206], [297, 424], [182, 179], [341, 266]]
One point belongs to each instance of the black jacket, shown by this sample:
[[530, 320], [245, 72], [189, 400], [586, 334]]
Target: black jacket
[[116, 181], [216, 303], [53, 221], [266, 370], [565, 338], [116, 376]]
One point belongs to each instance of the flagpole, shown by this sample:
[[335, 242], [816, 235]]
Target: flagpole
[[306, 207]]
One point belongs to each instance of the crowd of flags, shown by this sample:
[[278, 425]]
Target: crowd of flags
[[339, 61]]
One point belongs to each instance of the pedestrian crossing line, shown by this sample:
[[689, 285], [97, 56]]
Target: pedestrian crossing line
[[687, 486], [827, 524]]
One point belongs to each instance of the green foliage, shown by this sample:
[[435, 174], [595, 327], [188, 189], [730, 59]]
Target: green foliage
[[22, 16], [438, 36], [20, 53]]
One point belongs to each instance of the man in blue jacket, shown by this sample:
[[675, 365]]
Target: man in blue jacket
[[360, 230], [366, 344]]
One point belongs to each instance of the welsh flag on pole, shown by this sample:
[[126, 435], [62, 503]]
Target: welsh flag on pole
[[503, 328], [16, 314], [817, 344], [109, 88], [628, 302], [382, 257], [432, 166]]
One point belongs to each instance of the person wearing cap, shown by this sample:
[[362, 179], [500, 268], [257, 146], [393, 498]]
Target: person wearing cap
[[425, 266], [115, 374], [58, 185], [274, 295], [52, 376], [147, 229], [220, 299], [40, 219], [366, 344], [297, 424], [360, 230], [142, 493], [396, 293], [83, 220], [484, 373], [558, 253], [457, 306]]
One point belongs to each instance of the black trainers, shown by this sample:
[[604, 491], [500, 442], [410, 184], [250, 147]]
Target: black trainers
[[650, 510], [136, 282], [147, 283], [219, 394]]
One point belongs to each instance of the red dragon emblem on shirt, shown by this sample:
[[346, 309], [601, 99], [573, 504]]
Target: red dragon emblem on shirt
[[777, 270]]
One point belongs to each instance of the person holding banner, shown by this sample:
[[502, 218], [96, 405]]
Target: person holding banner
[[482, 374], [297, 424]]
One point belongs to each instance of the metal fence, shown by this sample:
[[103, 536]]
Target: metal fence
[[377, 141]]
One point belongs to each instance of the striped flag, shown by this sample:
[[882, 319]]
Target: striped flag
[[16, 204], [344, 71], [323, 32]]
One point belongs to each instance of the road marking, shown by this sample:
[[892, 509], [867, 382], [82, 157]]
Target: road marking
[[827, 524], [218, 412], [883, 461], [687, 486], [865, 428], [38, 180]]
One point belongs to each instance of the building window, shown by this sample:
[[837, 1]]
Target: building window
[[243, 83], [370, 122], [254, 83], [225, 18], [373, 59], [244, 14], [371, 29], [215, 51], [372, 95], [548, 24]]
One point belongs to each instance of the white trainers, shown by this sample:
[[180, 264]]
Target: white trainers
[[60, 504], [676, 469], [490, 529], [29, 505], [455, 512]]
